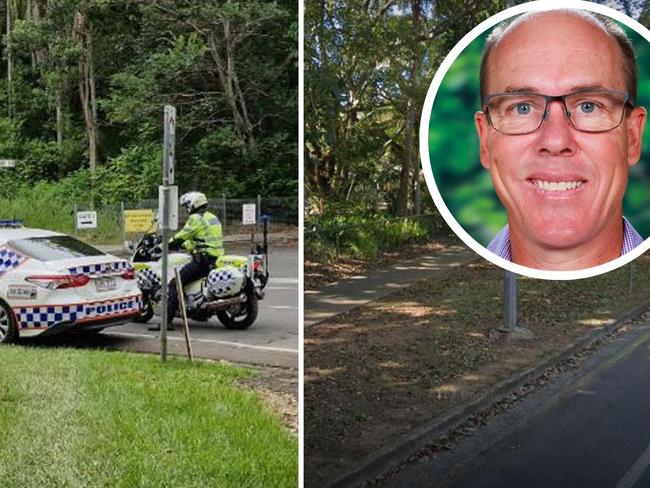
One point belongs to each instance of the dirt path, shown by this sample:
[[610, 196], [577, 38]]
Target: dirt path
[[374, 283]]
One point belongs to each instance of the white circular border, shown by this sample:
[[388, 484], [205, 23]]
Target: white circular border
[[424, 139]]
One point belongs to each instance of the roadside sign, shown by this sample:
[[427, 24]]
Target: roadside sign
[[7, 163], [87, 220], [143, 220], [170, 136], [171, 194], [248, 214]]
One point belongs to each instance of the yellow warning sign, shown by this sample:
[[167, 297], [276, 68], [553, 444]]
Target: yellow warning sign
[[140, 221]]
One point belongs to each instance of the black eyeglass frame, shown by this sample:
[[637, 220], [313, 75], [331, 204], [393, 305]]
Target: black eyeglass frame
[[627, 103]]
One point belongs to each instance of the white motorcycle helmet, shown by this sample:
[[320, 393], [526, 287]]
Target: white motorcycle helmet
[[193, 200]]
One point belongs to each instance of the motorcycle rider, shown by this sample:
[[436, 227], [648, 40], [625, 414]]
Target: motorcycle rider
[[202, 236]]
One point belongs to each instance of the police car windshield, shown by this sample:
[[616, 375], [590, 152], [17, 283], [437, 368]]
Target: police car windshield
[[53, 248]]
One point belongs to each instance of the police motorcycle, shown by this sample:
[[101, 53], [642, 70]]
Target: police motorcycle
[[231, 290]]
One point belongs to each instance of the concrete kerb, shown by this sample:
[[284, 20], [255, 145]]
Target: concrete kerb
[[399, 451]]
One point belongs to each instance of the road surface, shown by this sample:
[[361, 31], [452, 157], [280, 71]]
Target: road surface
[[591, 429]]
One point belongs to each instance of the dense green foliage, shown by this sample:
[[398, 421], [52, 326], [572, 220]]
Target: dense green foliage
[[366, 237], [453, 149], [107, 419], [368, 66], [367, 69], [84, 84]]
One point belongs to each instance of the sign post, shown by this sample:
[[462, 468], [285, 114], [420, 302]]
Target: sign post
[[165, 195]]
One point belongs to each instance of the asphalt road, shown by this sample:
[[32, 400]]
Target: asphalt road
[[591, 429], [271, 341]]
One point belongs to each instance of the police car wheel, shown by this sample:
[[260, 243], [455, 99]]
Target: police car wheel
[[244, 318], [8, 331]]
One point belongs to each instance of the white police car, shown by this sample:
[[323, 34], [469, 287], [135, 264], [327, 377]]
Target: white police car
[[51, 282]]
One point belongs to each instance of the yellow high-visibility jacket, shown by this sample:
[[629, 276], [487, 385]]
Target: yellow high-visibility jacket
[[202, 234]]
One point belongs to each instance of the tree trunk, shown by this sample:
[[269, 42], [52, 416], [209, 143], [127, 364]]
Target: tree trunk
[[10, 61], [59, 117], [405, 176], [232, 71], [34, 15], [417, 187], [409, 129], [227, 75], [82, 32]]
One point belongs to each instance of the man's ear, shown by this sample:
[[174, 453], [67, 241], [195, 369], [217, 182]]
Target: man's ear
[[635, 123], [482, 128]]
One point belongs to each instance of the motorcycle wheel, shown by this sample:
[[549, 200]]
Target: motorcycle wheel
[[145, 313], [244, 318]]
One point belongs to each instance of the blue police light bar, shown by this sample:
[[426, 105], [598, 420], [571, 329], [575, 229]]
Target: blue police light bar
[[11, 224]]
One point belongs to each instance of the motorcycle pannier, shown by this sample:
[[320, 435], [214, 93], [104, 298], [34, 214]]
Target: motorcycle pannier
[[225, 281]]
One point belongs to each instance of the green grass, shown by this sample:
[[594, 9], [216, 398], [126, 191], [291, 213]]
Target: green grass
[[72, 418]]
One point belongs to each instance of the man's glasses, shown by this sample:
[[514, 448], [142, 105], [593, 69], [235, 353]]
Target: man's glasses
[[519, 113]]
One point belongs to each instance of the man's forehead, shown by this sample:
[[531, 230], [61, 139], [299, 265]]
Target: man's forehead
[[566, 27], [565, 48]]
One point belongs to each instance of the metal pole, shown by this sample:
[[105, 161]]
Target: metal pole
[[123, 223], [168, 179], [510, 302], [258, 210], [223, 206]]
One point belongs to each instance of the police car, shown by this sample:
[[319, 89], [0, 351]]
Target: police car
[[51, 282]]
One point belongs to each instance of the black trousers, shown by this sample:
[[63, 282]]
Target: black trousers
[[199, 268]]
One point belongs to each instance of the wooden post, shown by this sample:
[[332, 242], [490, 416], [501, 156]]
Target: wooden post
[[181, 301]]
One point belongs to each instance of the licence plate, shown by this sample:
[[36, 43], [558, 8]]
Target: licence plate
[[105, 284]]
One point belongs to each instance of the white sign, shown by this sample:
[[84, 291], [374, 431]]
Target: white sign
[[86, 220], [7, 163], [248, 214], [171, 193]]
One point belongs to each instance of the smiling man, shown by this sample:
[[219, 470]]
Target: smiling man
[[558, 130]]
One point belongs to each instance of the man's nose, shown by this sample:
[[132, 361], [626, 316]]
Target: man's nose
[[556, 136]]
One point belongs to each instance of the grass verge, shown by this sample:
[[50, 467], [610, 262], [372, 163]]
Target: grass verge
[[108, 419], [390, 366]]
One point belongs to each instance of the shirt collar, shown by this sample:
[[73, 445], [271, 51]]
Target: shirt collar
[[500, 245]]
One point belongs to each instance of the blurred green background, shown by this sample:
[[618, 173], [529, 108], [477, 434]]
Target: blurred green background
[[454, 150]]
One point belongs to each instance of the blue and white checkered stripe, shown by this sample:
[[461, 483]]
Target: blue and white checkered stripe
[[99, 269], [10, 259], [148, 279], [47, 316], [30, 317]]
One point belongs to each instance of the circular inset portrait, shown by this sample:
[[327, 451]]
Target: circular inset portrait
[[533, 139]]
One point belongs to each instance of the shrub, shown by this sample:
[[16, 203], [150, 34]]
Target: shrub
[[365, 236]]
